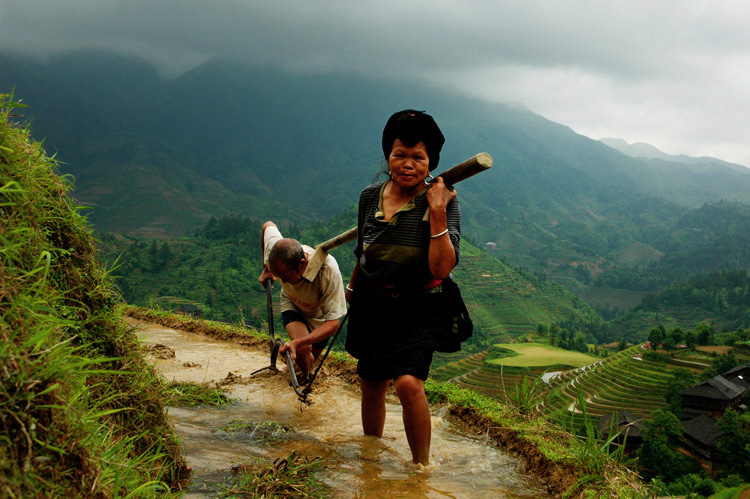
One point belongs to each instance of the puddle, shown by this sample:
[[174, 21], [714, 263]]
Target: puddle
[[265, 423]]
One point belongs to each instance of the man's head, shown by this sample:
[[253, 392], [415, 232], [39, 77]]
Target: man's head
[[287, 260]]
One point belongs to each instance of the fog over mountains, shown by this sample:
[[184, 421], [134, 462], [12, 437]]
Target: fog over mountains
[[159, 157], [647, 151]]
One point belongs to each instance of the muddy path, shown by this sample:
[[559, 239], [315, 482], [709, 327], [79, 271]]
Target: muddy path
[[274, 424]]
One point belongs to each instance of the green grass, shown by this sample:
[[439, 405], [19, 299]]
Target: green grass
[[190, 394], [731, 493], [266, 432], [81, 411], [540, 355], [290, 477]]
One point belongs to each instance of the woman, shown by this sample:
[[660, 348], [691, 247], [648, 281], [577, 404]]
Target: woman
[[408, 242]]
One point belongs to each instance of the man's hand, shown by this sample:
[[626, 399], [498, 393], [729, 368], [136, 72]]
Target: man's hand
[[291, 346], [265, 275]]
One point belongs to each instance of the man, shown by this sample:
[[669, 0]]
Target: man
[[310, 310]]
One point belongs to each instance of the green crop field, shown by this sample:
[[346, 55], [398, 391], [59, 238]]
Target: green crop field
[[539, 355]]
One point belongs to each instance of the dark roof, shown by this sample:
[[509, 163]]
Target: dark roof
[[738, 372], [703, 429], [186, 307], [717, 387], [619, 419]]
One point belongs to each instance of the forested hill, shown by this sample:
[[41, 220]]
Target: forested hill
[[215, 272], [157, 157], [704, 240], [721, 299]]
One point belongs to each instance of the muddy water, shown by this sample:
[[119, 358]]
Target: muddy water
[[356, 466]]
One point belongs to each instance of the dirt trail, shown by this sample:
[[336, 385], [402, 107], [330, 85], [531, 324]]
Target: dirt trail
[[356, 466]]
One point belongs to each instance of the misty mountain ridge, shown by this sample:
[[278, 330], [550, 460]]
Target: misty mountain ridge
[[648, 151], [159, 157]]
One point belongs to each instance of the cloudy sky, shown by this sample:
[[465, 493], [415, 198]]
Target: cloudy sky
[[673, 73]]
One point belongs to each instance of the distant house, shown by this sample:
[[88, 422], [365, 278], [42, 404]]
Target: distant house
[[190, 310], [631, 429], [700, 438], [739, 375], [702, 405], [490, 246], [712, 397]]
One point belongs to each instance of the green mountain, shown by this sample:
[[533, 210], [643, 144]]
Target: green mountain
[[158, 157]]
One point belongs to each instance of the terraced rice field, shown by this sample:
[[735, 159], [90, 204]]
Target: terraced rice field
[[622, 381], [492, 378]]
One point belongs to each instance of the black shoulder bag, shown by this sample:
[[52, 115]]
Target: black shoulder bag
[[460, 327]]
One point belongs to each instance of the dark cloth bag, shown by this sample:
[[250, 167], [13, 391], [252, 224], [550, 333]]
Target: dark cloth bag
[[456, 325], [380, 324]]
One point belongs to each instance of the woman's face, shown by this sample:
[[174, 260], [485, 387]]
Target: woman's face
[[408, 166]]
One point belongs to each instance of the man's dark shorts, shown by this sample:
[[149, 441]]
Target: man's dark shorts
[[288, 316]]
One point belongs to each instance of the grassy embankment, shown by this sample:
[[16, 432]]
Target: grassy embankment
[[81, 413], [567, 465]]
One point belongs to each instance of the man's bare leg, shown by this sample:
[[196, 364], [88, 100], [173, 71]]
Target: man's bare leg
[[416, 414], [305, 360]]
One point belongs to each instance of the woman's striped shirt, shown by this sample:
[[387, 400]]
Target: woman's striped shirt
[[394, 252]]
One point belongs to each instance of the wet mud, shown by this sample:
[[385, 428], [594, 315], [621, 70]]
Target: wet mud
[[267, 422]]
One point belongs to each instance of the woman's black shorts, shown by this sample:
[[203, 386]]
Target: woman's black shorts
[[390, 335]]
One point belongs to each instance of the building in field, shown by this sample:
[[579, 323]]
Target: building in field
[[714, 396], [703, 404], [700, 441]]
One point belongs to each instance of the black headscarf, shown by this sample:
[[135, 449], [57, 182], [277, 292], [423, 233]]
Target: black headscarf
[[412, 127]]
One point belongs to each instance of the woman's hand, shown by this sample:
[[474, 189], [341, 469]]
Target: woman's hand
[[441, 256], [439, 195]]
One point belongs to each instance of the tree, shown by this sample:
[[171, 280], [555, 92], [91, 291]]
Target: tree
[[153, 256], [705, 334], [720, 365], [165, 254], [690, 340], [659, 453], [734, 444], [682, 379], [656, 336], [541, 329], [676, 335], [622, 344]]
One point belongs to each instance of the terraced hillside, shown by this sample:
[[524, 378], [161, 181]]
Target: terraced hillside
[[504, 301], [622, 381], [496, 374]]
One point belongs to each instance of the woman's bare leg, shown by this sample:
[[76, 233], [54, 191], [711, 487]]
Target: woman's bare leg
[[416, 414], [373, 406]]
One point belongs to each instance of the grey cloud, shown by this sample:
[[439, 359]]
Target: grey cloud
[[560, 58]]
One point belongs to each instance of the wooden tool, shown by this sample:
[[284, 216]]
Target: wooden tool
[[468, 168]]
